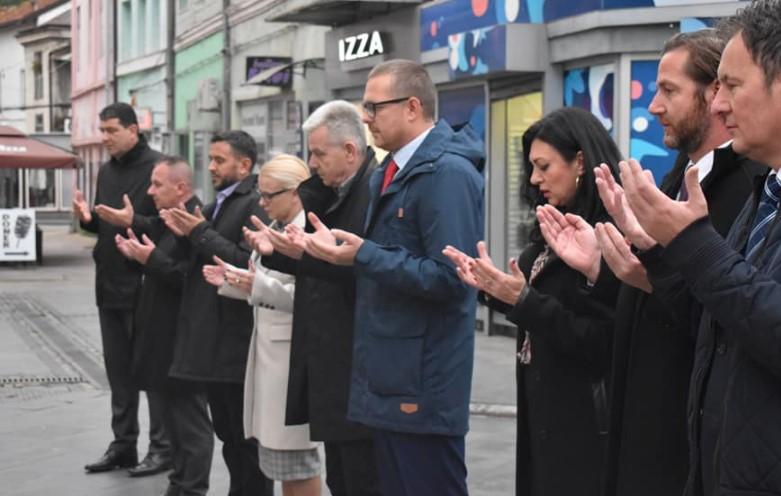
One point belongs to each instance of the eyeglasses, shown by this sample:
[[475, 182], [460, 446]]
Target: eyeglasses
[[371, 107], [270, 196]]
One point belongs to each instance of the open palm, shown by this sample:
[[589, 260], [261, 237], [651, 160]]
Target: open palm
[[572, 239]]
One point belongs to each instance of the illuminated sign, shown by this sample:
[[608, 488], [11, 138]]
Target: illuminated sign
[[361, 46]]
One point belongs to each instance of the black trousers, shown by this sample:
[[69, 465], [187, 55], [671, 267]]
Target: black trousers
[[226, 402], [116, 330], [187, 423], [351, 469]]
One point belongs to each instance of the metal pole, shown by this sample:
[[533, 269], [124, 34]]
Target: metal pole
[[226, 67]]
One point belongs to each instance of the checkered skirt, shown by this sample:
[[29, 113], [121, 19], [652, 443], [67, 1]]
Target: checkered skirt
[[283, 465]]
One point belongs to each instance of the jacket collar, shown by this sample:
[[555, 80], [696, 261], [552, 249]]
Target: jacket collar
[[134, 154]]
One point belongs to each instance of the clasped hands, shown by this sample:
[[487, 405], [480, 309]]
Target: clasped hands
[[134, 249], [225, 273], [644, 214], [334, 246]]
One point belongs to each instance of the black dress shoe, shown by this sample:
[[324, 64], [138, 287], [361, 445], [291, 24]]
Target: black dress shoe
[[113, 459], [153, 463]]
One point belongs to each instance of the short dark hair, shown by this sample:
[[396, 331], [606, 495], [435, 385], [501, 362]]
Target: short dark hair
[[410, 79], [759, 24], [571, 130], [120, 111], [179, 166], [704, 48], [242, 144]]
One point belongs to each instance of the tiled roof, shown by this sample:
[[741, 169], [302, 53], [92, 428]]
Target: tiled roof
[[17, 13]]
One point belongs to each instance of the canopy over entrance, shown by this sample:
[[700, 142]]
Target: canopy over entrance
[[19, 151]]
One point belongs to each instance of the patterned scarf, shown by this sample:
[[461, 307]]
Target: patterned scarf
[[525, 355]]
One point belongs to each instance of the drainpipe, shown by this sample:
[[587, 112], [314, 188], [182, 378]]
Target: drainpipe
[[226, 67], [170, 73], [110, 29]]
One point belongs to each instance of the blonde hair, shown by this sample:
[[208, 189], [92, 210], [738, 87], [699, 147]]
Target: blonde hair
[[288, 170]]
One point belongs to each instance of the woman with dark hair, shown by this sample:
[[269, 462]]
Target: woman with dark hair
[[564, 317]]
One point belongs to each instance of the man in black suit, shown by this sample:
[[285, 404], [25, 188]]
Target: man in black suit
[[165, 259], [123, 180], [213, 331], [653, 348]]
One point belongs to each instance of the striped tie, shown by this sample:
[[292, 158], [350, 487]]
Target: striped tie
[[766, 212]]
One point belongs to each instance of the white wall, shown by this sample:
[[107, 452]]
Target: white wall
[[11, 80]]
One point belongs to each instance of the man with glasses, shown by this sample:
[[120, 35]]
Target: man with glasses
[[414, 319], [324, 304]]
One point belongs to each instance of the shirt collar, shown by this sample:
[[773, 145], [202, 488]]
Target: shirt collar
[[705, 163], [405, 153], [225, 193]]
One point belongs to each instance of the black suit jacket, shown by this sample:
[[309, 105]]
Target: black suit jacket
[[653, 352], [214, 331]]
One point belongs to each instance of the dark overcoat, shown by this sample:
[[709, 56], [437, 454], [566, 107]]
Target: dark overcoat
[[157, 311], [562, 398], [214, 331], [323, 316], [117, 279], [653, 353]]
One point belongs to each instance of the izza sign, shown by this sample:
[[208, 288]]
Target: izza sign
[[360, 46]]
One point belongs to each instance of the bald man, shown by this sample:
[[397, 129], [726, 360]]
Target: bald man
[[164, 258]]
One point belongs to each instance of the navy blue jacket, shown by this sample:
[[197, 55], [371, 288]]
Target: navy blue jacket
[[737, 354], [414, 319]]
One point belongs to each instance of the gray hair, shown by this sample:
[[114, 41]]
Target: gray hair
[[410, 79], [342, 120]]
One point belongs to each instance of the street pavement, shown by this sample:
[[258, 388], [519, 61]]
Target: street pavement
[[54, 400]]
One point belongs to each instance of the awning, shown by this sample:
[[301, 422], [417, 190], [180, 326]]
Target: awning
[[19, 151]]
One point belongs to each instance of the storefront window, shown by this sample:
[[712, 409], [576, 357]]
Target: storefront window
[[511, 118], [40, 188], [68, 182], [9, 188]]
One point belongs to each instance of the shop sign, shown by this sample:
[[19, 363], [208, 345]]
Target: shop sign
[[280, 78], [17, 235], [361, 46]]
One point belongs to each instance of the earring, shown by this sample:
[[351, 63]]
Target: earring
[[577, 181]]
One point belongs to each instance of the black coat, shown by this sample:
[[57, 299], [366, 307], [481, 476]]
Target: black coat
[[118, 279], [158, 307], [562, 398], [653, 351], [323, 314], [734, 401], [214, 332]]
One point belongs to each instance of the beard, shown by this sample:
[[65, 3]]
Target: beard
[[688, 134]]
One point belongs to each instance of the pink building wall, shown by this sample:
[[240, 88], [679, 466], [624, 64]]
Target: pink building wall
[[92, 51]]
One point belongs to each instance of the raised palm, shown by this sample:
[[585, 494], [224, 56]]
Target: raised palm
[[572, 239]]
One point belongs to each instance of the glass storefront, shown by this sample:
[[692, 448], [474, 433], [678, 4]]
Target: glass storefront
[[510, 118], [9, 188]]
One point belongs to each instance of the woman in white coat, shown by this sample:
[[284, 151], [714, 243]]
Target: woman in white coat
[[285, 452]]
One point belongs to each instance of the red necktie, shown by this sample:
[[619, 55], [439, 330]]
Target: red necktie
[[390, 171]]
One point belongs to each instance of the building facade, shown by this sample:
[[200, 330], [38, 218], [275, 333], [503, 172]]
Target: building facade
[[34, 96], [92, 83], [141, 29]]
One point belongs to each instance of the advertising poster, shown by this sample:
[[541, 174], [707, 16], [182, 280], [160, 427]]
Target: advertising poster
[[17, 235]]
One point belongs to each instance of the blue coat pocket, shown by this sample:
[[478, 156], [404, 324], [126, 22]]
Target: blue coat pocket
[[395, 365]]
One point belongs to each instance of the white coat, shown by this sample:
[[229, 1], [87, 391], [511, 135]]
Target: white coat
[[268, 363]]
